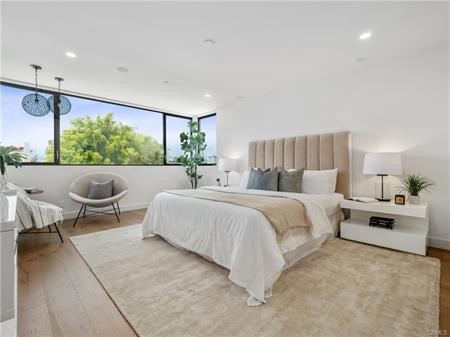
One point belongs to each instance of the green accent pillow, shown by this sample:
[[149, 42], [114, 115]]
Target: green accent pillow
[[290, 181]]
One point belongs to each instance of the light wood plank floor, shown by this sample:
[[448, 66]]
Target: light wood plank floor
[[59, 296]]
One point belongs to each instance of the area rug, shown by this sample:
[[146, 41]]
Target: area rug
[[345, 289]]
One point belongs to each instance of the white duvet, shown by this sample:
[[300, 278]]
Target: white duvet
[[235, 237]]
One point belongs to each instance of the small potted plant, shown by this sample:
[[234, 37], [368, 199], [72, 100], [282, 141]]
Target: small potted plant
[[414, 184], [8, 156]]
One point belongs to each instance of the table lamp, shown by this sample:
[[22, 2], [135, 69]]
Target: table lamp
[[227, 165], [383, 164]]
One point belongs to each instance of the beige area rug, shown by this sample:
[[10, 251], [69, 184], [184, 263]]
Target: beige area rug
[[344, 289]]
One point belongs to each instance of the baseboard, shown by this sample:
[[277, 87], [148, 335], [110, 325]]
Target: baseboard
[[128, 207], [439, 243]]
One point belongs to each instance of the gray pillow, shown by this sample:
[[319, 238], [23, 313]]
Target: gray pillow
[[259, 179], [290, 181], [101, 190]]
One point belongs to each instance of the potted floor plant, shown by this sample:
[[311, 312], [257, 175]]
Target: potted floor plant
[[414, 184], [193, 143], [8, 156]]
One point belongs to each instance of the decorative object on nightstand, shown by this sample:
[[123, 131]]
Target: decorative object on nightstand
[[400, 199], [380, 221], [383, 164], [409, 226], [414, 184], [227, 165], [363, 199], [218, 182]]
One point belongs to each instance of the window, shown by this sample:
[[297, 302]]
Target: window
[[208, 126], [33, 136], [102, 133], [96, 132], [174, 126]]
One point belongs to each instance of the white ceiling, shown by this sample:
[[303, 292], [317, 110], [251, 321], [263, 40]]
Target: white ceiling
[[261, 47]]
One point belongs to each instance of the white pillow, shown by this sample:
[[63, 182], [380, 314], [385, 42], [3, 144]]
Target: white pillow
[[319, 182], [244, 179]]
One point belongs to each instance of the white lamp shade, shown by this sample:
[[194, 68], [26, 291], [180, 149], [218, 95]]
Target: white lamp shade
[[226, 164], [383, 163]]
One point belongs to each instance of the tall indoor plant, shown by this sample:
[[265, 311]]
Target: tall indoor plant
[[193, 143], [414, 184], [8, 156]]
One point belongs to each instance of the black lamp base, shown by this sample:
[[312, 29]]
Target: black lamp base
[[383, 199]]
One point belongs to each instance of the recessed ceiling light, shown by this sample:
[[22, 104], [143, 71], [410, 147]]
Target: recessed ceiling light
[[210, 42], [208, 95], [360, 59], [71, 54], [239, 97], [166, 82], [122, 69], [365, 36]]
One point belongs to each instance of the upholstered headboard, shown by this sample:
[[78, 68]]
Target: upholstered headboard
[[316, 152]]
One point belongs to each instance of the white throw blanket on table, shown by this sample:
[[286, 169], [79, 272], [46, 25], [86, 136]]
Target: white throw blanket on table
[[238, 238], [33, 214]]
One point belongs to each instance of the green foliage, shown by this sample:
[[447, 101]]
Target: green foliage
[[193, 144], [415, 183], [9, 156], [103, 140]]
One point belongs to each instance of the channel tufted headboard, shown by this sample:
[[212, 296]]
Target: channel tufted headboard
[[315, 152]]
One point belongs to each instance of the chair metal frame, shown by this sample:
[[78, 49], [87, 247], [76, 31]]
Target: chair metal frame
[[35, 231], [92, 212]]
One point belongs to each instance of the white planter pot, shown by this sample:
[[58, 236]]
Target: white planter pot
[[4, 180], [414, 200], [4, 207]]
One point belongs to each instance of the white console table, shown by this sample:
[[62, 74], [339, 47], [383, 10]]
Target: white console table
[[8, 237], [410, 231]]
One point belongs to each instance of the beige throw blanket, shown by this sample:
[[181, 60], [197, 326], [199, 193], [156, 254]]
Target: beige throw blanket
[[287, 216]]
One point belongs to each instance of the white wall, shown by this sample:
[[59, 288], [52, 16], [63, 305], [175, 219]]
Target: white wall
[[399, 105], [144, 182]]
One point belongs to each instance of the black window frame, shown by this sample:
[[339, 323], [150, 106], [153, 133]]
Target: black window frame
[[57, 135], [200, 128], [165, 138]]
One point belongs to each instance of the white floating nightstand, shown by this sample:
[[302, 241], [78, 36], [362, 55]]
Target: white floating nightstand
[[410, 231]]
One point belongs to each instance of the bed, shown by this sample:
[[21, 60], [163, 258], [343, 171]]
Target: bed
[[242, 239]]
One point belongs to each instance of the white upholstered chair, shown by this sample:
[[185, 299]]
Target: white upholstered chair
[[79, 190]]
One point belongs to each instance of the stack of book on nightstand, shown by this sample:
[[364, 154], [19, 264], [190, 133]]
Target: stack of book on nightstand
[[379, 221]]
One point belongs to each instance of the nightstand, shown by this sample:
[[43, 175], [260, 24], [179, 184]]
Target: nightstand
[[410, 231]]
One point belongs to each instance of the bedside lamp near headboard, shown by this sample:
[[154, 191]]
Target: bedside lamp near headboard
[[227, 165], [383, 164]]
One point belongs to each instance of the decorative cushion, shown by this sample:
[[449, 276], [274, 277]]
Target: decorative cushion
[[319, 182], [263, 179], [244, 179], [290, 181], [101, 190]]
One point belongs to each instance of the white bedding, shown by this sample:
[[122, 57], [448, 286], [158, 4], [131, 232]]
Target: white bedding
[[235, 237]]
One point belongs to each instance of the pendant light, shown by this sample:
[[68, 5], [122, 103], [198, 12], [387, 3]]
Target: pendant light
[[35, 104], [64, 103]]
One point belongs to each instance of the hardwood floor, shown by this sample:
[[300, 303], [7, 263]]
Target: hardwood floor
[[59, 296], [444, 256]]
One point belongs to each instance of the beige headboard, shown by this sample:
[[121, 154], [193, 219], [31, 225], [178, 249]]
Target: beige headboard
[[316, 152]]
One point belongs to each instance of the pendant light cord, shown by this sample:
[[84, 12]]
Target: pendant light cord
[[35, 83]]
